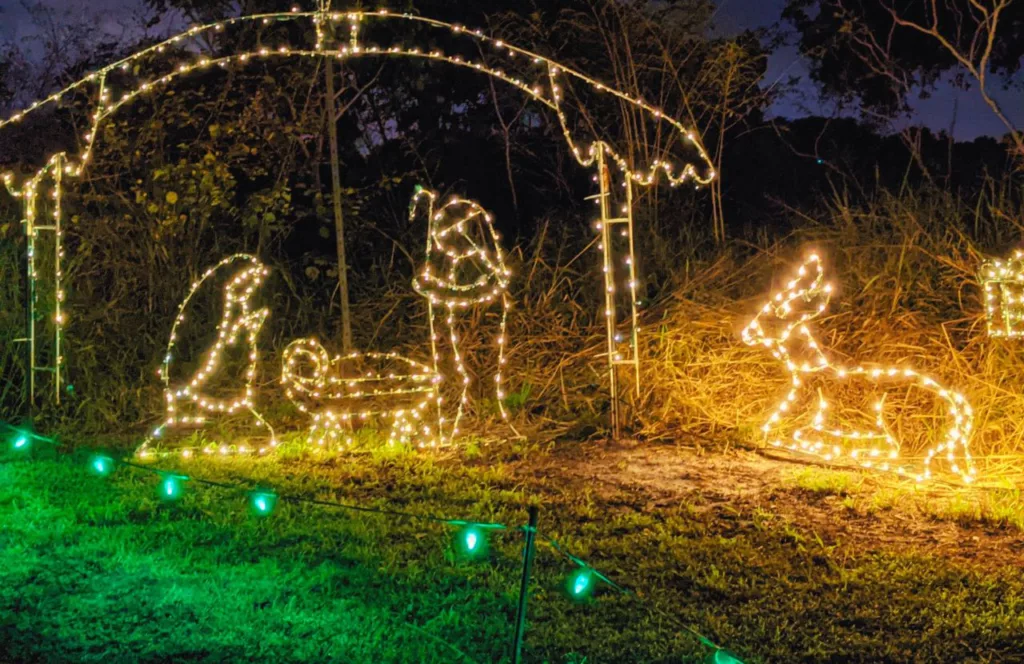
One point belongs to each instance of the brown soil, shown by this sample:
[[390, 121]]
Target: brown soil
[[731, 488]]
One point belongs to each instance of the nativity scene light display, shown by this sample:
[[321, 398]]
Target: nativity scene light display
[[464, 268], [560, 89]]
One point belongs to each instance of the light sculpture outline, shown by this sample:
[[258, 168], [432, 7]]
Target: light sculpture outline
[[1003, 284], [544, 86], [873, 448], [331, 399], [450, 235], [239, 321]]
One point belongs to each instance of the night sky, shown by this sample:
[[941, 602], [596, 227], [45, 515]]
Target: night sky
[[972, 117]]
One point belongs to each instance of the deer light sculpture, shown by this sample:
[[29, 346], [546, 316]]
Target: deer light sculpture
[[783, 327]]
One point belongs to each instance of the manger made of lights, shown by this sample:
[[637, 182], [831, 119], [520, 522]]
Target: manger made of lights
[[804, 298], [541, 79], [461, 242], [339, 393], [1003, 284]]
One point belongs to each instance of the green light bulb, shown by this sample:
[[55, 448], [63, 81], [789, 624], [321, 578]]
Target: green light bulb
[[723, 657], [581, 584], [471, 542], [171, 488], [21, 443], [262, 502], [101, 465]]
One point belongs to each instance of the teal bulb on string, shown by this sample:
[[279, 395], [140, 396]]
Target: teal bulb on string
[[171, 487], [581, 584], [101, 465], [471, 542], [262, 502]]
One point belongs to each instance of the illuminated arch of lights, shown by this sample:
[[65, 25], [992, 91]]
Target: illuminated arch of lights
[[542, 79]]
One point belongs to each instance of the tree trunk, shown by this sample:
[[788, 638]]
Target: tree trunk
[[339, 218]]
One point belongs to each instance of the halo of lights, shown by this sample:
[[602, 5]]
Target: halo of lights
[[874, 448]]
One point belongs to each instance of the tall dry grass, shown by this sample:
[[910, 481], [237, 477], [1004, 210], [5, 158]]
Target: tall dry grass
[[904, 266], [907, 295]]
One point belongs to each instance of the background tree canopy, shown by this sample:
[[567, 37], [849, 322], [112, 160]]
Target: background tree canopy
[[879, 52]]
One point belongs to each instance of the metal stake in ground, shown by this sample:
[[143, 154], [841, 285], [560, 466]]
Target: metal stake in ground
[[524, 586]]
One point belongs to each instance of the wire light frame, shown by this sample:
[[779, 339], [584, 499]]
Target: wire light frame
[[1003, 284], [340, 393], [541, 79], [33, 193], [804, 298], [464, 269], [188, 403]]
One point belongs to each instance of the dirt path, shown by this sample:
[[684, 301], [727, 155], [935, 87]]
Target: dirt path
[[743, 490]]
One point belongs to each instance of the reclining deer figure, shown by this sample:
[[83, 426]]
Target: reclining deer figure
[[804, 298]]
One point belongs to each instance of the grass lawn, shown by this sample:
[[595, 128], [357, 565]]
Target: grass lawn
[[779, 562]]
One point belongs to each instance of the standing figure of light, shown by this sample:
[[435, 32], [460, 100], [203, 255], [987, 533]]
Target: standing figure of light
[[189, 402], [782, 327], [464, 269]]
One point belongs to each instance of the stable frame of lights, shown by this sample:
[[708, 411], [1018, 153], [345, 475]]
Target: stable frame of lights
[[546, 90], [238, 321], [31, 194], [332, 399], [876, 449], [450, 235], [1003, 283]]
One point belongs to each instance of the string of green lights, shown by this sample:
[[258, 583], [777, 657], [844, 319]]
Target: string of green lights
[[470, 540]]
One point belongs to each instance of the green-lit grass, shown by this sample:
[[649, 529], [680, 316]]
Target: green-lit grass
[[95, 569], [825, 480]]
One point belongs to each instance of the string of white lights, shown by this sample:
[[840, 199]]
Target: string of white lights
[[462, 233], [551, 96], [877, 448]]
